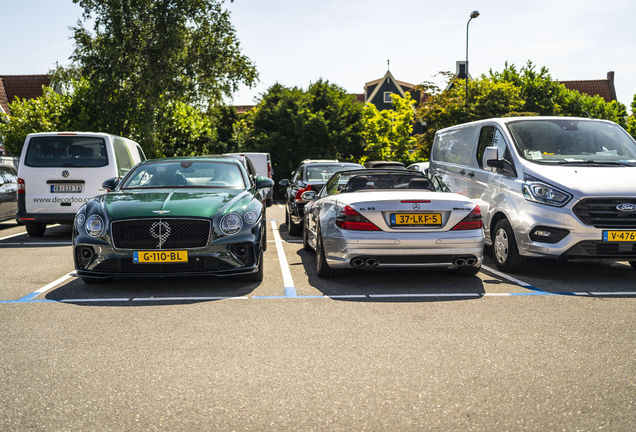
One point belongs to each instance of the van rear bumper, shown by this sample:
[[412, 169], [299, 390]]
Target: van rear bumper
[[48, 218]]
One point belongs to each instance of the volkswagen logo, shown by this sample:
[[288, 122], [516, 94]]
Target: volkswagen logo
[[626, 207], [65, 174], [416, 206], [161, 231]]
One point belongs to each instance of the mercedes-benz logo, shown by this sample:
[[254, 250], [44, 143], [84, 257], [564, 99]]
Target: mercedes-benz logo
[[626, 207], [65, 174], [416, 206], [160, 230]]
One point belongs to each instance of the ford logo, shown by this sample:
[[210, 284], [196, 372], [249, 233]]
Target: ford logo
[[626, 207]]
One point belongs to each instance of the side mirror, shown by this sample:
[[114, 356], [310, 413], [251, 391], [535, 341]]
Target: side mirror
[[308, 196], [110, 184], [284, 182], [490, 155], [264, 182]]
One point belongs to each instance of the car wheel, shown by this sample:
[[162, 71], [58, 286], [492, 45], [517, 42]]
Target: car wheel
[[306, 245], [294, 229], [465, 271], [505, 249], [286, 217], [269, 202], [264, 241], [254, 277], [35, 229], [92, 280], [322, 268]]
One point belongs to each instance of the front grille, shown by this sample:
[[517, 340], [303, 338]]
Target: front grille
[[602, 212], [148, 234], [126, 265], [82, 261], [605, 248]]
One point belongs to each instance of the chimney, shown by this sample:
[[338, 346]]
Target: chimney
[[610, 79]]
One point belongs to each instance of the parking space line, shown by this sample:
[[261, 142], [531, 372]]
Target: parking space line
[[290, 289], [511, 279], [47, 287], [12, 235]]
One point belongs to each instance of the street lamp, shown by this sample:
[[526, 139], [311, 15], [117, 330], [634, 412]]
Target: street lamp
[[473, 14]]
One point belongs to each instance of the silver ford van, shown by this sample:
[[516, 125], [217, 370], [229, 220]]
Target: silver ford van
[[552, 187], [60, 171]]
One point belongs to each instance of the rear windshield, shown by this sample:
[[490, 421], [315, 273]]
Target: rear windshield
[[66, 151], [322, 173], [391, 181]]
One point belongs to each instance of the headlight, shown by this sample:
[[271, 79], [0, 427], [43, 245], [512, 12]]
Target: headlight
[[79, 220], [537, 191], [250, 217], [231, 224], [94, 226]]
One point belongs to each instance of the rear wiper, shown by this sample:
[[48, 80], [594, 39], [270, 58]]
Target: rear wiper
[[597, 163]]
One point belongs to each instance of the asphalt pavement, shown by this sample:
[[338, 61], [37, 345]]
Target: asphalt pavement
[[549, 348]]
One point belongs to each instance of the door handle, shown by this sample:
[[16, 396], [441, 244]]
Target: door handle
[[462, 172], [471, 174]]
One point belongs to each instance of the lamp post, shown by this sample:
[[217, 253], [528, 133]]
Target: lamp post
[[473, 14]]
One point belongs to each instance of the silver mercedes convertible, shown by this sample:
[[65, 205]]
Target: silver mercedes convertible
[[391, 219]]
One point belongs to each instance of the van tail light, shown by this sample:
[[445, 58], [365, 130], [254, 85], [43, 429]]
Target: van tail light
[[350, 219], [21, 186], [470, 222], [298, 199], [269, 169]]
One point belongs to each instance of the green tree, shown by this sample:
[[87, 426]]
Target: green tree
[[50, 112], [387, 133], [292, 124], [631, 120], [146, 58]]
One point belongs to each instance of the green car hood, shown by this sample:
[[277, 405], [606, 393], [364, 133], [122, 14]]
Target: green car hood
[[178, 202]]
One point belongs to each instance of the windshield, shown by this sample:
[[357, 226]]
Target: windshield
[[173, 174], [390, 181], [66, 151], [568, 141], [322, 173]]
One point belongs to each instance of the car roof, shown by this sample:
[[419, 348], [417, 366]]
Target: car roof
[[376, 171], [307, 161]]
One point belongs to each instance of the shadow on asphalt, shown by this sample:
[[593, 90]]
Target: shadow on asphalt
[[138, 291]]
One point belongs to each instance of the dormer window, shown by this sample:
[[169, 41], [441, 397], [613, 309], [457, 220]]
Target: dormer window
[[387, 97]]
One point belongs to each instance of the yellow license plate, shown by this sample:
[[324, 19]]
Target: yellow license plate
[[619, 236], [141, 257], [416, 219]]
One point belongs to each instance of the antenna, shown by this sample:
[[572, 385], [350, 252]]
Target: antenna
[[388, 63]]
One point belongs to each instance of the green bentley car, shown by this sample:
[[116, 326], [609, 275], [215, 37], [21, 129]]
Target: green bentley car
[[174, 216]]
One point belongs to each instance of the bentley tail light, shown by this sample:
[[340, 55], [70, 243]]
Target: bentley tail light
[[300, 192], [470, 222], [350, 219], [21, 186]]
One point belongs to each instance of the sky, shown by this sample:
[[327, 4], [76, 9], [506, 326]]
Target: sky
[[348, 42]]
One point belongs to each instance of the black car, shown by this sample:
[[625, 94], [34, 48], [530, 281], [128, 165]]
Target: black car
[[311, 174], [385, 165]]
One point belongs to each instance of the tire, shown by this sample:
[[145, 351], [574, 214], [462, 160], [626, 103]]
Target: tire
[[92, 280], [322, 268], [286, 217], [35, 229], [294, 229], [465, 271], [306, 246], [269, 202], [264, 241], [504, 249]]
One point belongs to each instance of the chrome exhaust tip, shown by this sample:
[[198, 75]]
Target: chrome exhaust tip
[[460, 262], [471, 261], [357, 262], [372, 262]]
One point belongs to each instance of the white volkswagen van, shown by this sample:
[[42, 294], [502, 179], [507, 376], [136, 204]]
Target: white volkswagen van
[[552, 187], [60, 171]]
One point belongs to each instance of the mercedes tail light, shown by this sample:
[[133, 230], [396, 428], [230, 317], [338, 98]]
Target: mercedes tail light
[[470, 222], [21, 186], [350, 219], [298, 199]]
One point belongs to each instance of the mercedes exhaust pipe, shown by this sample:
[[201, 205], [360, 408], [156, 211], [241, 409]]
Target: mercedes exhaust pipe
[[460, 262], [372, 262], [357, 262], [471, 261]]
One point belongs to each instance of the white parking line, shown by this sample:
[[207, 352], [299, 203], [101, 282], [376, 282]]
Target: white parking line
[[290, 289], [12, 235]]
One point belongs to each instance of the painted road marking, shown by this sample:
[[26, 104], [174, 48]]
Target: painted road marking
[[290, 289], [12, 235], [45, 288]]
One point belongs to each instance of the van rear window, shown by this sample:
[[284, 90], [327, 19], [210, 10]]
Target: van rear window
[[66, 151]]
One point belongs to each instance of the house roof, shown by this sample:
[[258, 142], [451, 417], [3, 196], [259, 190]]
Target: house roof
[[603, 88], [24, 86], [4, 101], [387, 76], [242, 109]]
